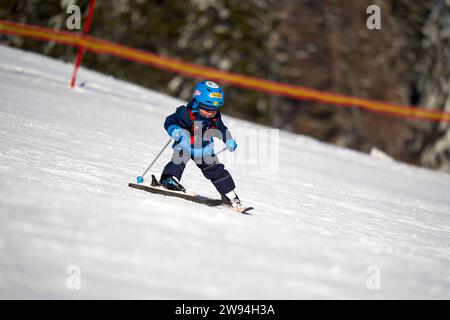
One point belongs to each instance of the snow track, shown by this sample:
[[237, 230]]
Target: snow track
[[66, 157]]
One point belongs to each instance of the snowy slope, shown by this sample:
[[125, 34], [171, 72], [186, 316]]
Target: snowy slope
[[329, 214]]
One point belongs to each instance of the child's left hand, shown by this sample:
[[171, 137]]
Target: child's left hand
[[231, 145], [207, 151]]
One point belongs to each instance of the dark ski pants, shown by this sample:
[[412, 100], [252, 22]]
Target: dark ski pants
[[212, 170]]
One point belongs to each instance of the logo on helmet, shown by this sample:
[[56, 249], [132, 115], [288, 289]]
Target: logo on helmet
[[215, 95], [197, 93], [212, 84]]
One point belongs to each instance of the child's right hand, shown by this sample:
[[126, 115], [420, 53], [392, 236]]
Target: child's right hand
[[182, 138], [178, 134]]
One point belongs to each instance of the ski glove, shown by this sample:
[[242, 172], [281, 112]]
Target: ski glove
[[207, 151], [181, 136], [177, 134], [231, 145]]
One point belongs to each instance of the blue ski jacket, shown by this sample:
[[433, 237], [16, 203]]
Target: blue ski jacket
[[184, 118]]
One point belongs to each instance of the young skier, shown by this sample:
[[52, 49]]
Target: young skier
[[193, 127]]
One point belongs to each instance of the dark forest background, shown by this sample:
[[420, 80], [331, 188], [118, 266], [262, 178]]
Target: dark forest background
[[322, 44]]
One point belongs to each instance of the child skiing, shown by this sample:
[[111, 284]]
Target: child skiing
[[192, 128]]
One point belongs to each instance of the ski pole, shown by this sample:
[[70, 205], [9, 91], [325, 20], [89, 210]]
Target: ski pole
[[140, 179], [221, 151]]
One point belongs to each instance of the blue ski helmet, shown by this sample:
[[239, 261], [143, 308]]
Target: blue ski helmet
[[207, 95]]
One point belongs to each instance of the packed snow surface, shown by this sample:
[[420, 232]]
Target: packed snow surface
[[329, 223]]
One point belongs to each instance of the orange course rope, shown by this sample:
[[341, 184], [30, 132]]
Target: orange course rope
[[197, 71]]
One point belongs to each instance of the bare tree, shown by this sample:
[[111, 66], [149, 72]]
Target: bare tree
[[434, 85]]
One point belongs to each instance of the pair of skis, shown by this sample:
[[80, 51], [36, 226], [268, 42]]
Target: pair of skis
[[156, 188]]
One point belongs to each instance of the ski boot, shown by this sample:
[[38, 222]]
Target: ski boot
[[171, 183], [232, 200]]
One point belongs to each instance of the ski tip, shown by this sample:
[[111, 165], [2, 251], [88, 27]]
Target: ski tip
[[247, 211]]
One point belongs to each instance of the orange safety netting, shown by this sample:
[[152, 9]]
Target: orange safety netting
[[197, 71]]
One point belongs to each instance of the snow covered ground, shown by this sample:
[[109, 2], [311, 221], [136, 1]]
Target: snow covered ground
[[328, 224]]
